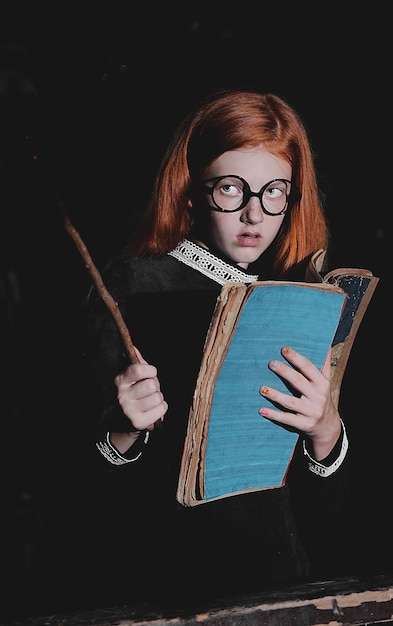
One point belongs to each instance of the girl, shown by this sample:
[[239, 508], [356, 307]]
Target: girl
[[235, 199]]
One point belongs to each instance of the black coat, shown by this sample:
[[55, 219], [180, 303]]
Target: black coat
[[144, 540]]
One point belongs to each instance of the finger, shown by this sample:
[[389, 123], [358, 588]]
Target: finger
[[296, 379], [135, 373], [155, 416], [146, 412], [304, 365], [296, 421], [298, 361], [144, 389], [281, 400]]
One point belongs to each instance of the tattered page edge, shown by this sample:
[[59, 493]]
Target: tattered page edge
[[223, 324]]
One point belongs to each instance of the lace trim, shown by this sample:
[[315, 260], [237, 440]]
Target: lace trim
[[322, 470], [112, 454], [207, 263]]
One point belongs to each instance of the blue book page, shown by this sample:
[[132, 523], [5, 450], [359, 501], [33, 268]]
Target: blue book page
[[245, 451]]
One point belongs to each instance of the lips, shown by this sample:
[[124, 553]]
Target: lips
[[249, 239]]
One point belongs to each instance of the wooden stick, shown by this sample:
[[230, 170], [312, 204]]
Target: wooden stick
[[102, 290]]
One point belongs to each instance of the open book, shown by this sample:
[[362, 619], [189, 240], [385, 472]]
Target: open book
[[230, 448]]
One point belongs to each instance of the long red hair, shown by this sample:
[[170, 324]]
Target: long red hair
[[229, 120]]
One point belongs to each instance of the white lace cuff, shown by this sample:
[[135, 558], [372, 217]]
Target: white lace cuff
[[323, 470], [112, 454]]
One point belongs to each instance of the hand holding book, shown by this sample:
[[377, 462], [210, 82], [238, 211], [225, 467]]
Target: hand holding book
[[229, 448]]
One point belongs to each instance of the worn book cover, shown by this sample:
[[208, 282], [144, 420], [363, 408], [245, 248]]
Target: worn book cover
[[229, 447]]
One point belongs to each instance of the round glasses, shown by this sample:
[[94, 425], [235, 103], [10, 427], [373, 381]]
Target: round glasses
[[232, 193]]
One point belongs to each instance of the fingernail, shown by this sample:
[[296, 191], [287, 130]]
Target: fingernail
[[265, 390], [274, 364]]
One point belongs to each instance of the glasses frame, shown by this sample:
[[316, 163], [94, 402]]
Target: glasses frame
[[293, 196]]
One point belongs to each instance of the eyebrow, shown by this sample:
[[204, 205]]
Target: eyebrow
[[272, 180]]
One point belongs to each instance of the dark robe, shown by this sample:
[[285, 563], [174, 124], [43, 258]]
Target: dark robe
[[144, 544]]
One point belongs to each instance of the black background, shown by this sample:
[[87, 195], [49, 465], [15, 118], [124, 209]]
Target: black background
[[89, 98]]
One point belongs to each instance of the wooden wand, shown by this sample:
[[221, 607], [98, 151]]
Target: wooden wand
[[102, 290]]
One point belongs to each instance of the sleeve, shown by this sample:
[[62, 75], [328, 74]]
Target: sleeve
[[320, 494]]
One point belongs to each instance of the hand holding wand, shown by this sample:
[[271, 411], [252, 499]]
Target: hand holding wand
[[106, 296]]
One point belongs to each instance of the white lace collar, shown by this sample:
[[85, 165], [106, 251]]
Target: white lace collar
[[207, 263]]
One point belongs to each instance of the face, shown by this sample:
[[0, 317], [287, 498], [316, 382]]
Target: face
[[245, 234]]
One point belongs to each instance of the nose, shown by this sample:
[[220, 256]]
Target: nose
[[252, 213]]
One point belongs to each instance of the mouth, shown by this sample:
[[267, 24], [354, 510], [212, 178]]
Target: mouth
[[249, 239], [250, 236]]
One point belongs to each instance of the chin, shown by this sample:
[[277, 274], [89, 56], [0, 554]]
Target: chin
[[250, 258]]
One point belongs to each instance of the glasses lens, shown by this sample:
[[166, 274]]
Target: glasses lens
[[275, 196], [228, 193]]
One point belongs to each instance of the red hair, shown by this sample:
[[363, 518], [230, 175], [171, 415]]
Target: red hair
[[229, 120]]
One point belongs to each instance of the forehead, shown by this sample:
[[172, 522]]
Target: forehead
[[256, 165]]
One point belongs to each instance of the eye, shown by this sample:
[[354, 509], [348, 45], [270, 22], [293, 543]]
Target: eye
[[230, 187], [276, 190]]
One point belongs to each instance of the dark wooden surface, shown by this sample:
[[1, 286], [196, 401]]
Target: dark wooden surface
[[346, 602]]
